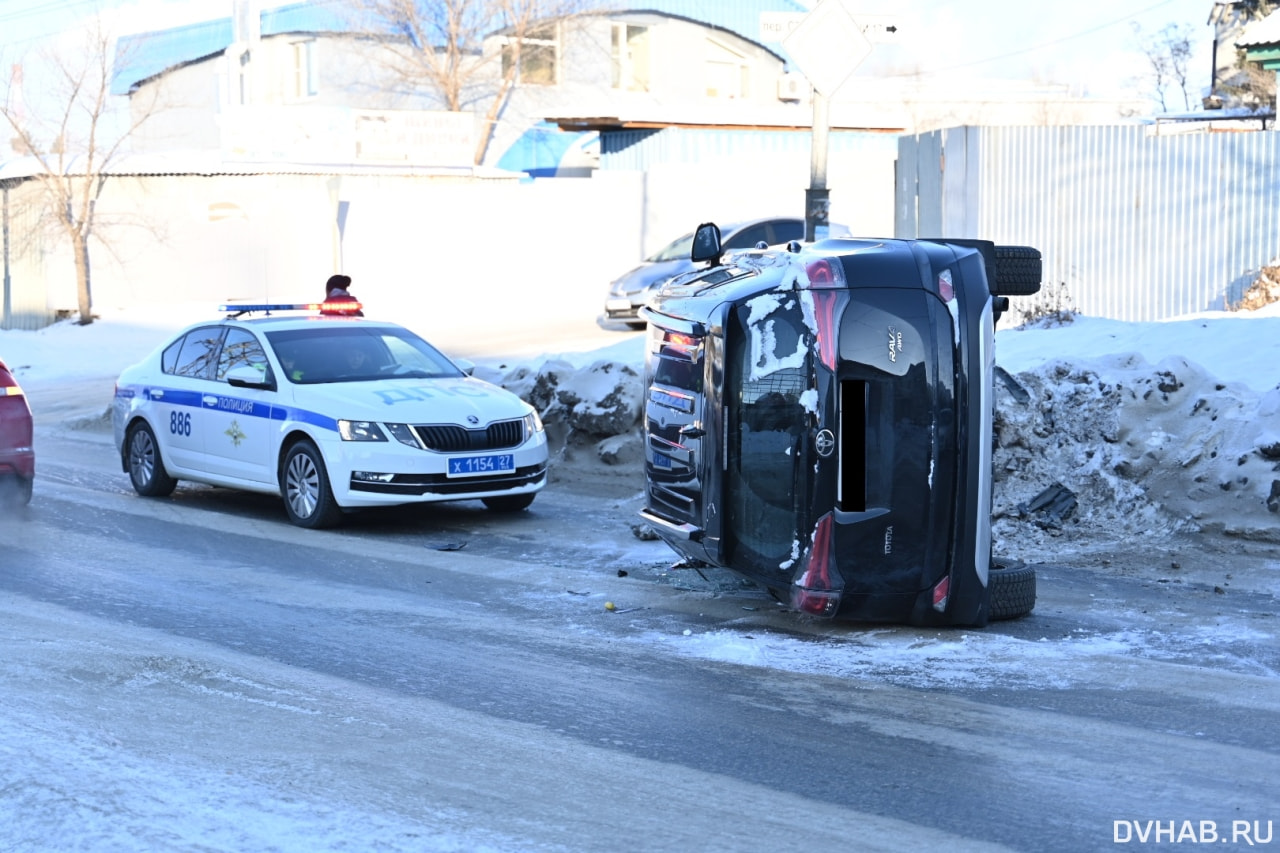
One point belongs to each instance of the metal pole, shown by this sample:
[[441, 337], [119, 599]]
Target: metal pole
[[817, 199]]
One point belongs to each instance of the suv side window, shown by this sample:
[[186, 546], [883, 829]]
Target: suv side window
[[193, 355]]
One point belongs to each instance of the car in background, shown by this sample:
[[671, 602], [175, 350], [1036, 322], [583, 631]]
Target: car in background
[[629, 292], [819, 419], [331, 411], [17, 454]]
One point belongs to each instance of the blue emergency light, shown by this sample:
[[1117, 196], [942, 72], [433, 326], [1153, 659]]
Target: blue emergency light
[[343, 307]]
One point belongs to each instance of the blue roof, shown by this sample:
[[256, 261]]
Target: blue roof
[[142, 56]]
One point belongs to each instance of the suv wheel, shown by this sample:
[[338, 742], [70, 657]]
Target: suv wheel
[[1013, 589], [1018, 271]]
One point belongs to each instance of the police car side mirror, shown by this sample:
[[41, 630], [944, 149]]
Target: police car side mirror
[[465, 366], [706, 244], [248, 376]]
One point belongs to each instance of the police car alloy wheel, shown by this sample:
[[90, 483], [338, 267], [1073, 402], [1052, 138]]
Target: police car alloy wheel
[[307, 496], [146, 468]]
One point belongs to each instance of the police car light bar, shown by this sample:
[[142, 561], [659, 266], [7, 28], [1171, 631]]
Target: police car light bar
[[343, 307]]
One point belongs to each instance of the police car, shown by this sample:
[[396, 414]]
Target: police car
[[331, 411]]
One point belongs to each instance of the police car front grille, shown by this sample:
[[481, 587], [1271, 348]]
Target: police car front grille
[[448, 438], [443, 485]]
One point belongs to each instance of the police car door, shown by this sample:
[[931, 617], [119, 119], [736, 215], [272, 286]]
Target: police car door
[[237, 439], [176, 402]]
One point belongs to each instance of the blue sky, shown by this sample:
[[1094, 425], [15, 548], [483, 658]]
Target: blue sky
[[1087, 44]]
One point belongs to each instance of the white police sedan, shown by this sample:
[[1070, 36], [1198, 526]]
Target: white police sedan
[[334, 413]]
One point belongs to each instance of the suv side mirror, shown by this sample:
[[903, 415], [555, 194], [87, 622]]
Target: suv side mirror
[[706, 244]]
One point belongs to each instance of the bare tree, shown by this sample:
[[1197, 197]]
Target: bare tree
[[73, 132], [1168, 53], [437, 46]]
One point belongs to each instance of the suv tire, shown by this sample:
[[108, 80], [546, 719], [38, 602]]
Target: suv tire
[[1013, 589], [1019, 271]]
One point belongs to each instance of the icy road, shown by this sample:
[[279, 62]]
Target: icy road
[[195, 674]]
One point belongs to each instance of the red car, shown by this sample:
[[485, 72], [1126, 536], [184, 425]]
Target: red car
[[17, 458]]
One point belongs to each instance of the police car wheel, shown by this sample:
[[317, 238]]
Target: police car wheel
[[509, 503], [146, 466], [308, 498]]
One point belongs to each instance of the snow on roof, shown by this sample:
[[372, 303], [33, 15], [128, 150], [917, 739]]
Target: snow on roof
[[1263, 32]]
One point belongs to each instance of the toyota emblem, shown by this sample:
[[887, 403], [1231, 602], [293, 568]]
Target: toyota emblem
[[824, 442]]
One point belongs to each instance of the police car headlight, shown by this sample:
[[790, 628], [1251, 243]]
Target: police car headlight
[[404, 434], [532, 424], [360, 431]]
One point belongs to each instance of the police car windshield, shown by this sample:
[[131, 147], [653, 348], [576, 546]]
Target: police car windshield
[[323, 354]]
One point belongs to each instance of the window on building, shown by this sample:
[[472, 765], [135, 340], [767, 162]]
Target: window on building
[[538, 51], [304, 69], [728, 72], [630, 57]]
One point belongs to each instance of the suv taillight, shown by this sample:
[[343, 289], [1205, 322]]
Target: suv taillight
[[826, 285], [818, 585], [947, 293]]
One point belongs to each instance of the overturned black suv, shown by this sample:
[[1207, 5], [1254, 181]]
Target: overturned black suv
[[818, 419]]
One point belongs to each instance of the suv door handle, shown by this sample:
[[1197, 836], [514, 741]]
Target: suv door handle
[[692, 431]]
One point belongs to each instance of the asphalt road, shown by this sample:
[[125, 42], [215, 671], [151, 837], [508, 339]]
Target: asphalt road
[[451, 679]]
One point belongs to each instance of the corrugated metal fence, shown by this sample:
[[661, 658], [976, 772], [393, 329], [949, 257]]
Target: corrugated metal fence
[[641, 149], [1135, 226], [23, 301]]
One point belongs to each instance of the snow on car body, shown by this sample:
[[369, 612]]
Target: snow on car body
[[333, 413]]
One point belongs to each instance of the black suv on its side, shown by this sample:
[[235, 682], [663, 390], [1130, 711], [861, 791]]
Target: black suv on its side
[[818, 419]]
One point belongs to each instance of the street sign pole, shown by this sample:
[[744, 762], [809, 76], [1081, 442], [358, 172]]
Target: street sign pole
[[817, 199], [827, 45]]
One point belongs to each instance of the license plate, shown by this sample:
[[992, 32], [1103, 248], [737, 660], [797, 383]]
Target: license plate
[[618, 305], [478, 466], [661, 461]]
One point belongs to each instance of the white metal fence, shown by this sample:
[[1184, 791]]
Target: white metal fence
[[1136, 226]]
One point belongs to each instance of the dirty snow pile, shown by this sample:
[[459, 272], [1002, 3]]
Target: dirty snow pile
[[1123, 431]]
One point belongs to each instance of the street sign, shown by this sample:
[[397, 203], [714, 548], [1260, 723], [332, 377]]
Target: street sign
[[827, 46]]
